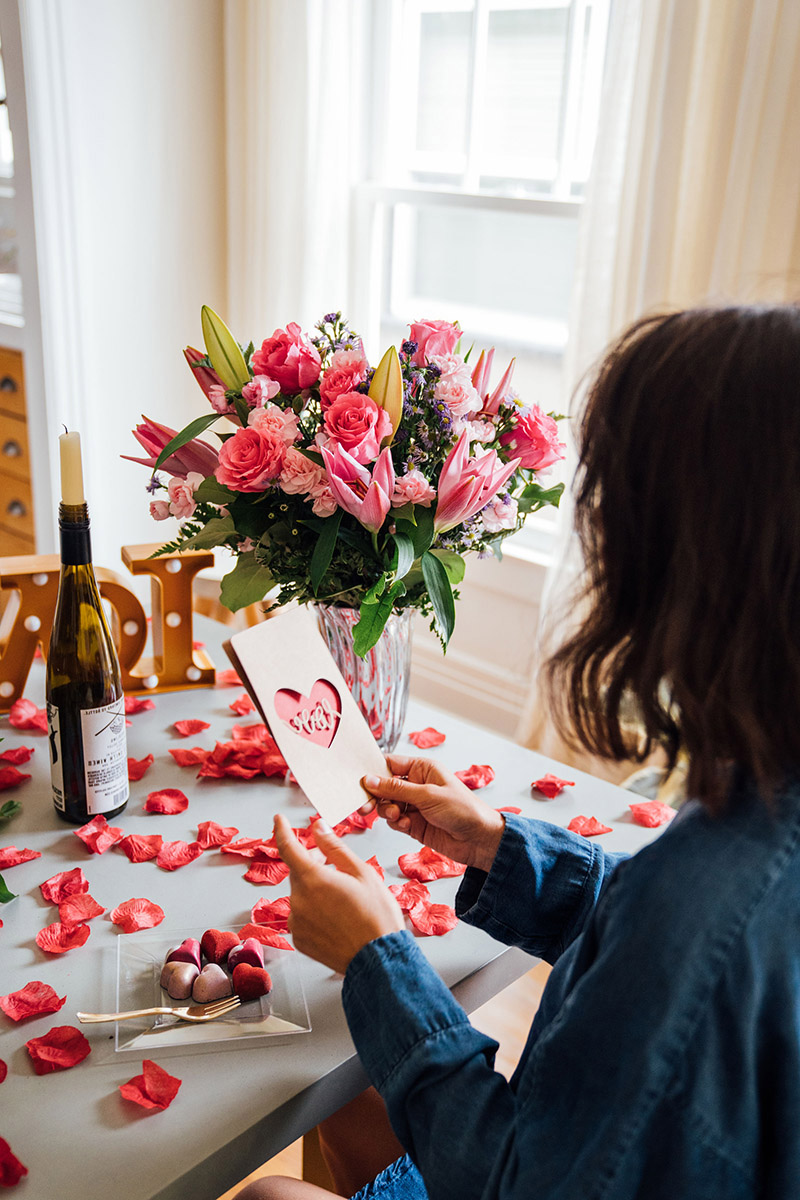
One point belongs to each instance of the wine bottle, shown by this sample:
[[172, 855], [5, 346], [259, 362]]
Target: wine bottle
[[85, 704]]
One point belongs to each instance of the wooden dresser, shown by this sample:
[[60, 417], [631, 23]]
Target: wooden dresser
[[16, 497]]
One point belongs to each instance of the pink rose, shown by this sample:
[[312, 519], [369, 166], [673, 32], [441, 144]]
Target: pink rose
[[300, 475], [278, 421], [455, 387], [250, 460], [500, 513], [412, 488], [348, 367], [159, 510], [433, 338], [260, 390], [181, 494], [534, 440], [358, 425], [289, 358]]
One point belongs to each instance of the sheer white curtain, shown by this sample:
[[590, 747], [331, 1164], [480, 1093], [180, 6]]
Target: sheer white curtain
[[695, 194]]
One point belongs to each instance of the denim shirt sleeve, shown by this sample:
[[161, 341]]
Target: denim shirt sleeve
[[543, 886]]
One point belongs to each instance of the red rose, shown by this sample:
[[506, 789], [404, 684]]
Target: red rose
[[289, 358], [358, 425], [348, 367], [250, 460]]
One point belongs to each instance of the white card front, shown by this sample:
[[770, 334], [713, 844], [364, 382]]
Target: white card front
[[301, 694]]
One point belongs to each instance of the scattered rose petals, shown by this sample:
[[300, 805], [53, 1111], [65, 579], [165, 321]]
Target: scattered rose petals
[[138, 767], [65, 883], [154, 1088], [423, 739], [228, 678], [25, 715], [97, 835], [173, 855], [167, 801], [140, 847], [77, 909], [3, 1070], [251, 847], [373, 862], [209, 834], [409, 894], [509, 808], [356, 822], [272, 871], [551, 785], [190, 758], [588, 826], [135, 914], [33, 1000], [190, 728], [242, 705], [432, 920], [16, 755], [11, 1169], [429, 864], [267, 937], [651, 813], [272, 913], [476, 776], [10, 777], [10, 856], [252, 733], [58, 1050], [58, 938], [137, 704]]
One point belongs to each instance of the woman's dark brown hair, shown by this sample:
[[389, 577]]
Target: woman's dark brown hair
[[688, 513]]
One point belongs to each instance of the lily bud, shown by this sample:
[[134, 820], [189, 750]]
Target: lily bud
[[223, 351], [386, 389]]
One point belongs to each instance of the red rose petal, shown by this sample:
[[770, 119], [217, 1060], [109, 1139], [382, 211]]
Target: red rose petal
[[250, 847], [428, 864], [58, 1050], [173, 855], [209, 834], [242, 705], [409, 894], [228, 678], [77, 909], [58, 938], [551, 785], [651, 813], [65, 883], [190, 758], [34, 1000], [509, 808], [423, 739], [25, 715], [252, 733], [154, 1088], [190, 728], [356, 822], [98, 836], [267, 937], [3, 1070], [137, 704], [138, 913], [476, 776], [373, 862], [16, 756], [588, 826], [272, 913], [167, 801], [10, 777], [272, 871], [433, 920], [138, 767], [141, 847], [10, 856], [11, 1169]]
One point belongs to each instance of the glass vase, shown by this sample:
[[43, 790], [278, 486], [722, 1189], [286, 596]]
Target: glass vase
[[379, 681]]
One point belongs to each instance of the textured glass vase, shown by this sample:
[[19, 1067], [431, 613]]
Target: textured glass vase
[[378, 681]]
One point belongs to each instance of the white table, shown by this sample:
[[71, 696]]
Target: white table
[[236, 1107]]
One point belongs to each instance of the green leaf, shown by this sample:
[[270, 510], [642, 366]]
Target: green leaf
[[192, 430], [247, 583], [214, 533], [312, 456], [441, 595], [376, 608], [242, 409], [223, 350], [405, 513], [213, 492], [421, 533], [453, 564], [323, 551], [405, 554], [534, 496], [10, 809], [5, 894]]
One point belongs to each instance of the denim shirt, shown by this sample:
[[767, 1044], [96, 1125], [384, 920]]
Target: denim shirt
[[664, 1060]]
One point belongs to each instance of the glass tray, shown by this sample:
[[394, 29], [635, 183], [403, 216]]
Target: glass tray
[[140, 958]]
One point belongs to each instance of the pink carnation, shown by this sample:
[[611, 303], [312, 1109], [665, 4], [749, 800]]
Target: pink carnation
[[282, 423], [218, 400], [250, 460], [300, 475], [289, 358], [455, 386], [260, 390], [412, 488], [347, 368], [534, 440], [325, 504], [159, 510], [433, 338], [356, 423], [500, 513], [181, 494]]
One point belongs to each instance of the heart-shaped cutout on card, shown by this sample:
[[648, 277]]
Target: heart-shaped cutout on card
[[314, 717]]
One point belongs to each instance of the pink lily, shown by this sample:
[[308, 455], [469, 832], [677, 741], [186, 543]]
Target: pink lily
[[483, 369], [480, 381], [205, 376], [466, 485], [194, 456], [366, 496]]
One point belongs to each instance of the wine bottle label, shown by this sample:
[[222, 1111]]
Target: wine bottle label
[[56, 760], [105, 757]]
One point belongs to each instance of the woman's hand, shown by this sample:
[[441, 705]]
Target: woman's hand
[[430, 804], [334, 913]]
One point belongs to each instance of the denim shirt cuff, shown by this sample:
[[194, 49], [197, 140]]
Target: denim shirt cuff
[[482, 895]]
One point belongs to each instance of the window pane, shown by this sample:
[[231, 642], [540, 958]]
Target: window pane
[[524, 85], [444, 56]]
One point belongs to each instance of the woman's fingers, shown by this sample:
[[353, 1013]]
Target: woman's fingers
[[398, 790], [290, 849], [335, 853]]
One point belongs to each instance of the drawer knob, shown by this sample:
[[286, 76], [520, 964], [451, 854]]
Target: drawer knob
[[16, 509], [7, 384], [12, 449]]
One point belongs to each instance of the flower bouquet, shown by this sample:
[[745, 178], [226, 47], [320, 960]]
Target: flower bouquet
[[341, 484]]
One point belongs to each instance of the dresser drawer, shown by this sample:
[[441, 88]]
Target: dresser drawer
[[12, 382], [14, 456], [16, 505]]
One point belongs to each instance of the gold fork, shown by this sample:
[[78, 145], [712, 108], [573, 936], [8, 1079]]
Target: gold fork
[[193, 1012]]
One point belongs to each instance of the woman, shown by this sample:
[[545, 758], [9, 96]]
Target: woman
[[664, 1060]]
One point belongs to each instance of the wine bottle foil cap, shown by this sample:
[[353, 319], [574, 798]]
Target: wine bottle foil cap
[[73, 516]]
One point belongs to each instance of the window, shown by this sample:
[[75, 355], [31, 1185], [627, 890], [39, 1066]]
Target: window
[[10, 283]]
